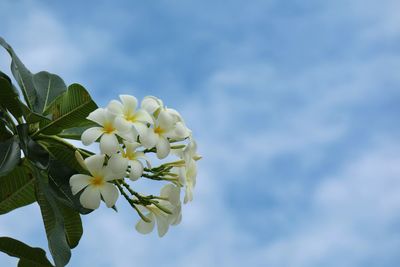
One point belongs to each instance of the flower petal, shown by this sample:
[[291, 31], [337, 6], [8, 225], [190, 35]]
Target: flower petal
[[166, 120], [91, 135], [145, 227], [115, 107], [95, 164], [109, 193], [151, 104], [162, 225], [129, 102], [78, 182], [98, 115], [149, 139], [90, 198], [136, 170], [109, 144], [116, 168], [143, 116], [163, 148], [122, 125]]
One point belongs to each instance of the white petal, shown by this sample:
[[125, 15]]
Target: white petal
[[136, 169], [78, 182], [181, 131], [95, 164], [151, 104], [115, 107], [130, 135], [131, 146], [143, 116], [172, 193], [149, 139], [162, 225], [122, 125], [109, 144], [118, 166], [110, 194], [91, 135], [144, 227], [99, 116], [165, 120], [129, 102], [141, 128], [90, 198], [163, 148]]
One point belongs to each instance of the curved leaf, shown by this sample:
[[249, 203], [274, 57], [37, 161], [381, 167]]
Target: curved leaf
[[48, 86], [10, 154], [68, 110], [53, 220], [32, 150], [59, 175], [16, 190], [29, 256], [73, 225], [22, 75], [9, 97]]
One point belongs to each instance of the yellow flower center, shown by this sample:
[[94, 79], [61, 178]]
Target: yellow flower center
[[130, 117], [97, 181], [108, 128], [130, 156], [159, 130]]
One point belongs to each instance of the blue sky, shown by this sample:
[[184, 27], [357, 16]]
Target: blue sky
[[295, 106]]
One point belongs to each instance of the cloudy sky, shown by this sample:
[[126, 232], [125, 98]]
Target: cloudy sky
[[295, 106]]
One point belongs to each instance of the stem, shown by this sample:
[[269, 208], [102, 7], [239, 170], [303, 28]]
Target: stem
[[62, 141]]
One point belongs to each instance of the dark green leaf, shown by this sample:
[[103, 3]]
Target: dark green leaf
[[76, 132], [53, 220], [73, 225], [22, 75], [10, 154], [32, 150], [59, 175], [29, 256], [9, 97], [48, 86], [16, 189], [69, 110]]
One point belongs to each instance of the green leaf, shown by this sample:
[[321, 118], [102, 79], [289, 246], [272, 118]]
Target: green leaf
[[22, 75], [53, 220], [38, 89], [32, 150], [48, 86], [69, 110], [59, 175], [9, 97], [10, 154], [76, 132], [16, 189], [73, 225], [29, 256]]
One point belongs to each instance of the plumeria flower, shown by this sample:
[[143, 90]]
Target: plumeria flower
[[157, 136], [151, 104], [127, 115], [108, 131], [97, 185], [162, 218], [187, 176], [129, 157]]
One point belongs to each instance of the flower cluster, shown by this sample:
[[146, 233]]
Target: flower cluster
[[128, 134]]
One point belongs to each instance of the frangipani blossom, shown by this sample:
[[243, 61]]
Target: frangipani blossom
[[151, 104], [157, 136], [163, 219], [97, 185], [108, 131], [129, 157], [127, 115]]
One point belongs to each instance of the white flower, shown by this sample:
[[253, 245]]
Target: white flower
[[187, 176], [151, 104], [129, 157], [158, 134], [108, 142], [127, 115], [96, 185], [163, 219]]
